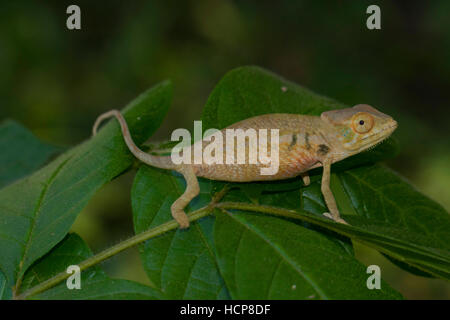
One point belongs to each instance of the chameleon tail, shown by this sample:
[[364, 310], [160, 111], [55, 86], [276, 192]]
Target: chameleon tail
[[154, 161]]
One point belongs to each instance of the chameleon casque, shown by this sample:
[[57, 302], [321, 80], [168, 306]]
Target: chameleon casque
[[305, 142]]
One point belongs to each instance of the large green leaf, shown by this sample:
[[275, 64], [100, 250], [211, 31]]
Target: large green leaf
[[37, 211], [264, 257], [415, 239], [5, 288], [22, 153], [181, 263], [388, 206], [95, 284], [417, 249], [249, 91]]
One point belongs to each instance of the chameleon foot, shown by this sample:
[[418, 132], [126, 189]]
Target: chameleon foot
[[181, 217], [337, 219]]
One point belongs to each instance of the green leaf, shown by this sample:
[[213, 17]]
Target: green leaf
[[95, 284], [415, 239], [264, 257], [181, 263], [103, 289], [250, 91], [387, 205], [22, 153], [38, 211], [5, 288]]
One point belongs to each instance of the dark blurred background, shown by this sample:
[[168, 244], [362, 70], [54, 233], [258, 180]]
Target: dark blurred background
[[56, 81]]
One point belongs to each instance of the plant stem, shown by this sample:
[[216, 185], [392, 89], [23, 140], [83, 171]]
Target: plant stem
[[156, 231], [137, 239], [342, 229], [275, 211]]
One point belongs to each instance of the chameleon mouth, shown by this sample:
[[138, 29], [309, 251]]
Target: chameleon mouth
[[383, 135], [376, 138]]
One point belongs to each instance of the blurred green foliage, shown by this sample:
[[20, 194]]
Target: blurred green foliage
[[56, 81]]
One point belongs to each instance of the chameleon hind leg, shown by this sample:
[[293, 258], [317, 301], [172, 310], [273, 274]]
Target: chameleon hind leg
[[192, 190], [328, 195]]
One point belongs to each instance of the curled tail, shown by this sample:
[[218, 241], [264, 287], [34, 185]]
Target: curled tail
[[154, 161]]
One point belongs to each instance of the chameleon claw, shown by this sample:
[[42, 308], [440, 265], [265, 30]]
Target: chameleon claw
[[183, 221], [337, 219], [328, 215], [306, 180]]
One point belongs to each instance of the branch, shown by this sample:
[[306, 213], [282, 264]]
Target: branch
[[137, 239]]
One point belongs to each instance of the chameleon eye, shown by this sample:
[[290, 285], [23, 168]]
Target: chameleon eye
[[362, 122]]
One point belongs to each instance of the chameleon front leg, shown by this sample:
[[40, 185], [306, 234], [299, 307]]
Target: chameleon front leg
[[192, 190], [328, 195]]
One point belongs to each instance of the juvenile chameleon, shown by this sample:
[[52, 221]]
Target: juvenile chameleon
[[305, 142]]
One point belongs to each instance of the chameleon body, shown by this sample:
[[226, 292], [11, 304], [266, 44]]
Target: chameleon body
[[305, 142]]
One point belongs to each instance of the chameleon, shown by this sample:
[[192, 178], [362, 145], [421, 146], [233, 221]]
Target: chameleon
[[305, 142]]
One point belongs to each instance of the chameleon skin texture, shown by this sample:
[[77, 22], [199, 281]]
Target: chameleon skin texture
[[299, 145], [305, 142]]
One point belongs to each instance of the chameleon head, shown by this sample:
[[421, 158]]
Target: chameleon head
[[359, 128]]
